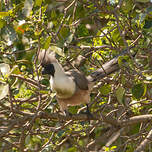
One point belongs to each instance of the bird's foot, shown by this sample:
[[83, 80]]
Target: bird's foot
[[89, 114]]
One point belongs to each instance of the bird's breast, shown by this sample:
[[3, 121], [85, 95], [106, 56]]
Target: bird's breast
[[63, 86]]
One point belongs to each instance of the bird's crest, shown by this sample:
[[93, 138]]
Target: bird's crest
[[46, 57]]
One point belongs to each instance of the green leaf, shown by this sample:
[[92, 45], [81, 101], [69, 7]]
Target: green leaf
[[27, 139], [72, 149], [122, 60], [2, 23], [120, 94], [105, 89], [38, 2], [123, 79], [70, 38], [16, 9], [58, 50], [4, 89], [19, 6], [148, 24], [73, 110], [135, 106], [139, 90], [4, 14], [116, 36], [127, 6], [113, 147], [15, 70], [47, 43]]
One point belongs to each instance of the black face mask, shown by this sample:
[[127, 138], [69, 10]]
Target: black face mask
[[48, 69]]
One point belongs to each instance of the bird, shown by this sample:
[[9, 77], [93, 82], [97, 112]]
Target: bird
[[72, 87]]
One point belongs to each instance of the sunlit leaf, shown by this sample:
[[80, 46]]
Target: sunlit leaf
[[16, 8], [113, 147], [127, 6], [47, 43], [58, 50], [38, 2], [135, 106], [15, 70], [24, 92], [70, 38], [4, 89], [37, 33], [4, 14], [116, 36]]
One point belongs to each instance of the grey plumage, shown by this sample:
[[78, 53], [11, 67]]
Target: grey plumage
[[79, 78]]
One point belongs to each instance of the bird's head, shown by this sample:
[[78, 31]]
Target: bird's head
[[47, 60]]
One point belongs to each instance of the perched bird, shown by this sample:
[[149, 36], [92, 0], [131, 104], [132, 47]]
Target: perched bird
[[72, 87]]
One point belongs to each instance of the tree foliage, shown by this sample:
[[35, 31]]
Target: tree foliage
[[84, 34]]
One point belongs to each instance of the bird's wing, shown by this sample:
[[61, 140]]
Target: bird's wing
[[80, 80]]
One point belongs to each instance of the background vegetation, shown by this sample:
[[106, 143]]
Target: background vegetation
[[85, 34]]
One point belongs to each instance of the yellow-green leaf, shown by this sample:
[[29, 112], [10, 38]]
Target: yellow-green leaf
[[122, 60], [139, 90], [4, 14], [15, 70], [38, 2], [47, 43], [105, 89], [70, 38], [2, 23]]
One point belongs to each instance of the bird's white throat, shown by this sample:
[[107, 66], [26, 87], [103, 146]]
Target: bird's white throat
[[62, 84]]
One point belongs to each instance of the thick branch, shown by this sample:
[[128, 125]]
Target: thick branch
[[107, 119], [135, 119]]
